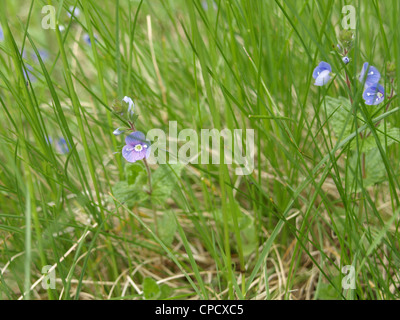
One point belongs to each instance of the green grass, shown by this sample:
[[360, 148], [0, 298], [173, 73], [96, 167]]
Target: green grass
[[324, 193]]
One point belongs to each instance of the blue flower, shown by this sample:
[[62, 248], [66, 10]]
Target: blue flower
[[28, 73], [370, 77], [1, 34], [73, 12], [204, 4], [86, 38], [49, 140], [137, 148], [374, 95], [322, 73], [44, 55], [346, 60], [62, 146]]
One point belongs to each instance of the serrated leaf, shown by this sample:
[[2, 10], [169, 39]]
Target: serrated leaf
[[151, 290], [164, 180], [167, 228], [129, 194], [337, 112], [391, 136]]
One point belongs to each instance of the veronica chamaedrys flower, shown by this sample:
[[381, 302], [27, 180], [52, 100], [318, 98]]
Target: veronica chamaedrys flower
[[62, 146], [374, 95], [346, 60], [131, 105], [49, 140], [322, 74], [369, 75], [28, 73], [137, 148], [204, 4], [44, 55], [86, 38], [75, 12], [1, 34]]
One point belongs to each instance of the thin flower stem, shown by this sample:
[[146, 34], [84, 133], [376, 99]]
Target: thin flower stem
[[364, 173], [133, 128], [149, 175], [150, 193], [349, 86], [348, 80]]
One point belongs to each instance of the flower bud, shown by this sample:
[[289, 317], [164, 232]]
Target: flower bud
[[117, 106], [346, 60], [391, 69], [118, 132]]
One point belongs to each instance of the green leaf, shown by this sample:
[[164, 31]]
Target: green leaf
[[337, 112], [129, 194], [392, 136], [327, 291], [374, 169], [166, 292], [247, 229], [164, 180], [151, 290], [133, 170], [167, 228]]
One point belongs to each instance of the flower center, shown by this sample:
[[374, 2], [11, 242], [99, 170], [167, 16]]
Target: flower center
[[138, 148]]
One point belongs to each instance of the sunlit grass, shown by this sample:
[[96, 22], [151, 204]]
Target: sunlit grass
[[283, 232]]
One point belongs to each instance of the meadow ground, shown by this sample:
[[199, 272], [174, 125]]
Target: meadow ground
[[316, 218]]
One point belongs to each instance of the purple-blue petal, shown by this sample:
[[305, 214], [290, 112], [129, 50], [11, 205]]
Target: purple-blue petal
[[374, 95], [370, 75], [323, 78], [148, 151], [44, 55], [135, 138], [62, 146], [321, 67], [130, 155], [28, 73]]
